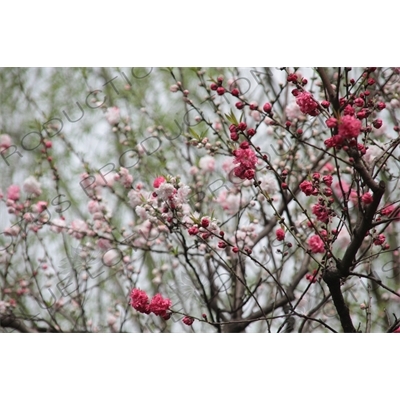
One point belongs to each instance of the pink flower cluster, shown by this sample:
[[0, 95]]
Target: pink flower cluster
[[280, 234], [316, 244], [312, 188], [307, 104], [247, 160], [313, 277], [139, 300], [349, 128], [321, 212]]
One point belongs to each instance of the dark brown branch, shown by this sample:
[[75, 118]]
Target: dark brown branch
[[360, 231], [332, 279], [328, 86], [10, 321]]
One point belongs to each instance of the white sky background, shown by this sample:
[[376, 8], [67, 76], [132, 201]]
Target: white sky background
[[207, 33]]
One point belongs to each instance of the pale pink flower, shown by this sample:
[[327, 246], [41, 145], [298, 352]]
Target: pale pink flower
[[126, 177], [5, 142], [113, 115], [111, 257], [57, 225], [32, 186], [78, 229], [207, 163]]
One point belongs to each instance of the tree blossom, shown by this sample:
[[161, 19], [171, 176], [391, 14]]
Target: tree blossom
[[280, 234], [159, 306], [187, 320], [321, 212], [380, 239], [349, 127], [316, 244], [5, 142], [247, 160], [113, 115], [307, 104], [158, 181], [307, 188], [139, 301], [32, 186], [207, 163], [13, 193], [367, 198]]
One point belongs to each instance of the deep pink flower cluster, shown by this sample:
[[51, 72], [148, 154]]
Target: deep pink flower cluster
[[307, 188], [379, 240], [349, 128], [313, 277], [280, 234], [321, 212], [247, 160], [307, 104], [187, 320], [139, 300], [316, 244]]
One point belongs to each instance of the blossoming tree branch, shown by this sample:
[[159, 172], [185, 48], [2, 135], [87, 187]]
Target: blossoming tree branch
[[200, 200]]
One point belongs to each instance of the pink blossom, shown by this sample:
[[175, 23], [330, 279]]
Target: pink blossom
[[5, 142], [207, 163], [113, 115], [139, 301], [331, 122], [247, 160], [307, 188], [57, 225], [367, 198], [387, 210], [159, 306], [188, 320], [321, 212], [40, 206], [32, 186], [307, 104], [312, 277], [316, 244], [380, 239], [327, 179], [127, 178], [111, 257], [349, 127], [13, 193], [79, 229], [280, 234], [158, 181]]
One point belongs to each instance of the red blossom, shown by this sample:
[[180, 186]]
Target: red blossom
[[159, 306], [367, 198], [321, 212], [139, 301], [349, 127], [380, 239], [307, 188], [247, 160], [280, 234], [188, 320], [307, 104]]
